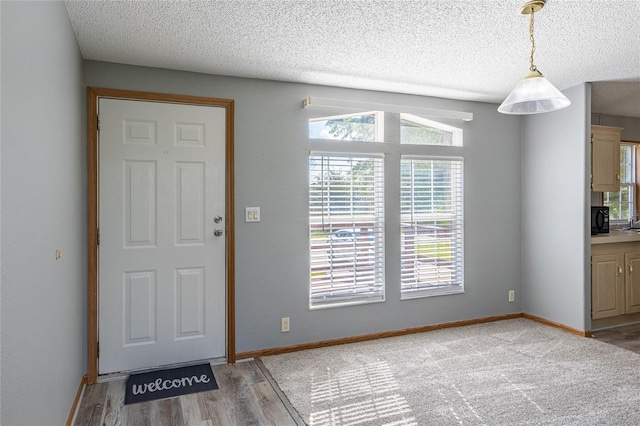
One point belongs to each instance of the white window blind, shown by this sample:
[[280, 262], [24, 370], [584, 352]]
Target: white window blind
[[346, 229], [622, 203], [432, 252]]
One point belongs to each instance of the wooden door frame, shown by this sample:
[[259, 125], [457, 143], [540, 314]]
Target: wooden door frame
[[93, 95]]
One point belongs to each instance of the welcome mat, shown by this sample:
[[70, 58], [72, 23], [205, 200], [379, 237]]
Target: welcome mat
[[168, 383]]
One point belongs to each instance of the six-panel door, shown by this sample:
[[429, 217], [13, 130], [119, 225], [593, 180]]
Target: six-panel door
[[161, 267]]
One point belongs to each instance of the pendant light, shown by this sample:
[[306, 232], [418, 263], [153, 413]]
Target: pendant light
[[534, 94]]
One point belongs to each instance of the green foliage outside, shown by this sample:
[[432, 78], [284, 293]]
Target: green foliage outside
[[363, 128], [442, 250], [341, 185], [621, 204], [417, 134], [355, 128], [427, 177]]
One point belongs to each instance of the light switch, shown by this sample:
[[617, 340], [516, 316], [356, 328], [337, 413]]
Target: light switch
[[252, 214]]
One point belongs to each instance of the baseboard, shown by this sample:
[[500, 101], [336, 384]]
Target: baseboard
[[76, 401], [374, 336], [421, 329], [582, 333]]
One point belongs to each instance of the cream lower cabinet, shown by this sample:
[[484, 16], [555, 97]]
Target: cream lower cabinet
[[607, 285], [632, 282], [615, 279]]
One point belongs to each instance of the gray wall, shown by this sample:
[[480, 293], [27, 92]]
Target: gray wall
[[42, 171], [43, 209], [271, 156], [555, 237]]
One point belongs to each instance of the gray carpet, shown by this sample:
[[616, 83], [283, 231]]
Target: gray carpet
[[501, 373]]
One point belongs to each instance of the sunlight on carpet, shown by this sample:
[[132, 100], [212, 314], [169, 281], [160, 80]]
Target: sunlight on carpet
[[373, 378], [367, 384], [509, 372], [365, 412]]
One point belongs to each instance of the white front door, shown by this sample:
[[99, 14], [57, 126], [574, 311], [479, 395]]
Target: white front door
[[161, 262]]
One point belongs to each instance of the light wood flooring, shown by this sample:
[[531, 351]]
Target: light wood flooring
[[245, 397]]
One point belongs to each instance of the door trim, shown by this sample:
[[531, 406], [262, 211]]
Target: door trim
[[93, 94]]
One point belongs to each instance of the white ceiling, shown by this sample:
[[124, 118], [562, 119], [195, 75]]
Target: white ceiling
[[460, 49]]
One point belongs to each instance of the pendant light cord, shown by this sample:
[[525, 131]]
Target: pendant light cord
[[532, 67]]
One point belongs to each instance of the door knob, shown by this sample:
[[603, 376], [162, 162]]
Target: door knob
[[217, 219], [217, 232]]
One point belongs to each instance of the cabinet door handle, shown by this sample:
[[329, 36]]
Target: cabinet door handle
[[630, 267], [617, 177], [619, 269]]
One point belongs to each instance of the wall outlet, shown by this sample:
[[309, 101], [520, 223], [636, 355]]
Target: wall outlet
[[284, 324], [512, 295]]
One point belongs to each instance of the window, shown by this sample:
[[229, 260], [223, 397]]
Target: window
[[347, 208], [420, 131], [432, 223], [622, 204], [365, 127], [346, 229]]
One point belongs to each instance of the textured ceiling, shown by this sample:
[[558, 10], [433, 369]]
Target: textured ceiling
[[460, 49]]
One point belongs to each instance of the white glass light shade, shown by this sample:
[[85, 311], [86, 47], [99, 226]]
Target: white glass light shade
[[533, 95]]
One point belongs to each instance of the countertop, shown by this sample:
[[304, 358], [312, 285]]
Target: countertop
[[616, 236]]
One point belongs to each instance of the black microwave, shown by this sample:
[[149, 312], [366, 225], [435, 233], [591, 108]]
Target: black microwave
[[599, 220]]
